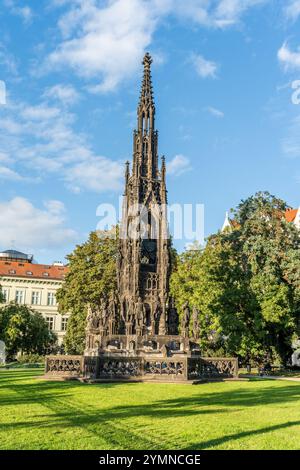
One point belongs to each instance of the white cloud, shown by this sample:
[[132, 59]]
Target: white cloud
[[204, 68], [31, 227], [55, 207], [178, 165], [107, 39], [229, 12], [8, 174], [2, 92], [215, 112], [289, 59], [41, 140], [40, 113], [214, 13], [24, 11], [65, 94], [107, 42], [4, 157], [96, 174], [7, 60], [292, 10]]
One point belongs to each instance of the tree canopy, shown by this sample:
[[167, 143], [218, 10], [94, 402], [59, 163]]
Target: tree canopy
[[92, 274], [24, 330], [245, 283], [1, 295]]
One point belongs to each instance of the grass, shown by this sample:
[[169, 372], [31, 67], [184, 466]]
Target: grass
[[38, 414], [281, 373]]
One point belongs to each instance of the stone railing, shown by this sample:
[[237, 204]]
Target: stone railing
[[64, 366], [120, 368], [143, 368], [90, 367], [212, 368], [166, 369]]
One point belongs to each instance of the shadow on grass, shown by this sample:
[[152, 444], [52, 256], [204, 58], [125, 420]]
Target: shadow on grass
[[234, 437], [110, 425]]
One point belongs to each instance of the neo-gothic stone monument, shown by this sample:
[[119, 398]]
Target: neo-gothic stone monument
[[134, 333], [140, 308]]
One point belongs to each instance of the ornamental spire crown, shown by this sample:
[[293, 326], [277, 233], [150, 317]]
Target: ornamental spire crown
[[146, 96]]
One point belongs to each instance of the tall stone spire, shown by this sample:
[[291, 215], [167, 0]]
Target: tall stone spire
[[146, 107], [145, 162], [143, 275]]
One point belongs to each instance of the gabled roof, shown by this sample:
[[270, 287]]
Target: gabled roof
[[32, 271], [290, 215]]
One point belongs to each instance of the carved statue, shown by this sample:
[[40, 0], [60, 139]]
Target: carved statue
[[166, 257], [195, 323], [89, 317], [112, 306], [172, 320], [92, 318], [185, 321], [139, 313]]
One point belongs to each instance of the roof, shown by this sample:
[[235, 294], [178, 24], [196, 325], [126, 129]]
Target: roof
[[14, 254], [290, 215], [32, 271]]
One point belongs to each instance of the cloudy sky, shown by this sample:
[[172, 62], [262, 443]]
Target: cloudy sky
[[226, 75]]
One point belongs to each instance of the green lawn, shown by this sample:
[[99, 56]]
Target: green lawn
[[38, 414]]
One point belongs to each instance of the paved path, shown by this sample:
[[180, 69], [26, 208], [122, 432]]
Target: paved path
[[271, 377]]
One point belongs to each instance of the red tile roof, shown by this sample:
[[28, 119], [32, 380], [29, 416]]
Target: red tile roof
[[30, 270], [290, 215]]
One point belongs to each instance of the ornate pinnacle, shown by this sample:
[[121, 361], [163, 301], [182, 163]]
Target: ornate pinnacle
[[163, 168], [146, 97], [127, 170], [147, 61]]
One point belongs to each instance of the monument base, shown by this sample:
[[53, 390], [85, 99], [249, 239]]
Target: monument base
[[142, 358]]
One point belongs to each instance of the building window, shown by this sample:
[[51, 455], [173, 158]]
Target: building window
[[5, 293], [64, 323], [51, 300], [19, 296], [12, 271], [36, 298], [50, 323]]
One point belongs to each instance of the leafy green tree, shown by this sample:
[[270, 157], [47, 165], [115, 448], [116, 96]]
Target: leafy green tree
[[24, 330], [92, 274], [1, 295], [245, 283]]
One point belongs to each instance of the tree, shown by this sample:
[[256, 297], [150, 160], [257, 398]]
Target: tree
[[246, 283], [1, 295], [24, 330], [92, 274]]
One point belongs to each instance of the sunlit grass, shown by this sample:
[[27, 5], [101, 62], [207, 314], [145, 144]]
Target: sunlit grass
[[38, 414]]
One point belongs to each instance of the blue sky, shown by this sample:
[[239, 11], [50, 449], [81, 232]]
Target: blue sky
[[223, 73]]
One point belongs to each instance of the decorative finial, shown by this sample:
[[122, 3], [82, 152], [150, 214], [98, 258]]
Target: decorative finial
[[146, 95], [126, 169], [163, 168], [147, 61]]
